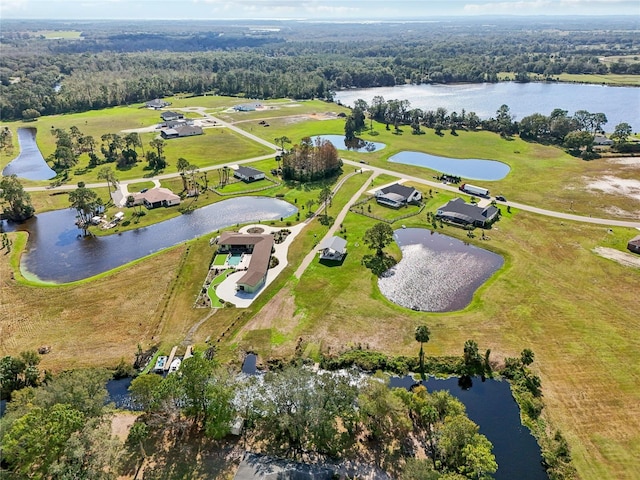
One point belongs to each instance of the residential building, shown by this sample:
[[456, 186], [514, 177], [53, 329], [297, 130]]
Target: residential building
[[181, 131], [634, 244], [248, 174], [168, 116], [155, 197], [457, 211], [259, 246], [333, 248], [157, 104], [397, 195]]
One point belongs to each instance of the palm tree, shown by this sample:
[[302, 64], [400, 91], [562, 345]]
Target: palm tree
[[422, 336], [182, 165], [158, 144]]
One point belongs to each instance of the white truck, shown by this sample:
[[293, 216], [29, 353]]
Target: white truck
[[473, 190]]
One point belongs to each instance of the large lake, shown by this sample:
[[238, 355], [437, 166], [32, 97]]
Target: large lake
[[437, 273], [57, 252], [620, 104], [30, 164]]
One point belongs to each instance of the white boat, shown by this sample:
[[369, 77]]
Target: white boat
[[175, 365]]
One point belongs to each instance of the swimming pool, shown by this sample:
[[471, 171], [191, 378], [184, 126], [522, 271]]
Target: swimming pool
[[234, 259]]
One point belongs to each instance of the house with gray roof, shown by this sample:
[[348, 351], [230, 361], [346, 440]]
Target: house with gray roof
[[167, 116], [248, 174], [397, 195], [457, 211], [333, 248], [181, 131], [156, 104]]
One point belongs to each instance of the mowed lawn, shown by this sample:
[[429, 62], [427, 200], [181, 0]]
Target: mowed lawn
[[540, 175]]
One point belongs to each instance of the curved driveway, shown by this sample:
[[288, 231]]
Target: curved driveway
[[376, 170]]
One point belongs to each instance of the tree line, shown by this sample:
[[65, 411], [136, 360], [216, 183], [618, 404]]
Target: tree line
[[40, 77], [57, 426], [575, 132]]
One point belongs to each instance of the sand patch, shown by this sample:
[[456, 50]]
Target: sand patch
[[632, 161], [626, 187], [623, 258], [121, 424]]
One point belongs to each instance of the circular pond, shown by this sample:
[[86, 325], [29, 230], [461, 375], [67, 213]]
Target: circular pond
[[56, 251], [473, 168], [355, 145], [30, 164], [437, 273]]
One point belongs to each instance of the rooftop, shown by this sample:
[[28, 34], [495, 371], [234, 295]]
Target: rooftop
[[259, 264]]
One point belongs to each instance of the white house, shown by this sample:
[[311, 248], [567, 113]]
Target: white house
[[333, 248]]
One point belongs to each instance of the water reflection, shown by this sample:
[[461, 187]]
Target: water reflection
[[355, 145], [30, 164], [57, 252], [469, 168], [437, 273], [490, 405]]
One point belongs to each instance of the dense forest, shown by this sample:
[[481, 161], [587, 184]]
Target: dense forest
[[113, 63]]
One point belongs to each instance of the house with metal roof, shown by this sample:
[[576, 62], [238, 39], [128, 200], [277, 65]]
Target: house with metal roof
[[179, 131], [156, 104], [248, 174], [259, 246], [333, 248], [167, 116], [397, 195], [462, 213]]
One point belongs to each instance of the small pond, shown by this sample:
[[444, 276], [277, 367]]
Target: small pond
[[118, 390], [249, 366], [437, 273], [57, 252], [30, 164], [355, 145], [491, 406], [468, 168]]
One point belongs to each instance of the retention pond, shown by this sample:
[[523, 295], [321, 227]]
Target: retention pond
[[473, 168], [30, 164], [57, 252], [437, 273]]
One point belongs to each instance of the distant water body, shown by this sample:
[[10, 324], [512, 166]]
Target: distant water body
[[619, 104]]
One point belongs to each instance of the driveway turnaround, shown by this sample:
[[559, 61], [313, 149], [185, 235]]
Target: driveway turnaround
[[227, 289]]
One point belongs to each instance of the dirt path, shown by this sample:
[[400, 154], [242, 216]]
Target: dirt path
[[623, 258], [188, 339]]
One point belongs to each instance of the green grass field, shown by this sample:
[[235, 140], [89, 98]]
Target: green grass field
[[576, 310]]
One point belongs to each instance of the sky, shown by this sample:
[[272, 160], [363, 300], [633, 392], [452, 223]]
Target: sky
[[344, 10]]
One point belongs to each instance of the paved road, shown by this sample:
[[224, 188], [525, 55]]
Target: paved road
[[376, 170], [339, 219], [521, 206]]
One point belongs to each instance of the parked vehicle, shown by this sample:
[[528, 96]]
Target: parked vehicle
[[473, 190], [501, 198]]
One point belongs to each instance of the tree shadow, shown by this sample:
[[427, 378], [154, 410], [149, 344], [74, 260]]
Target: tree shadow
[[378, 264]]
